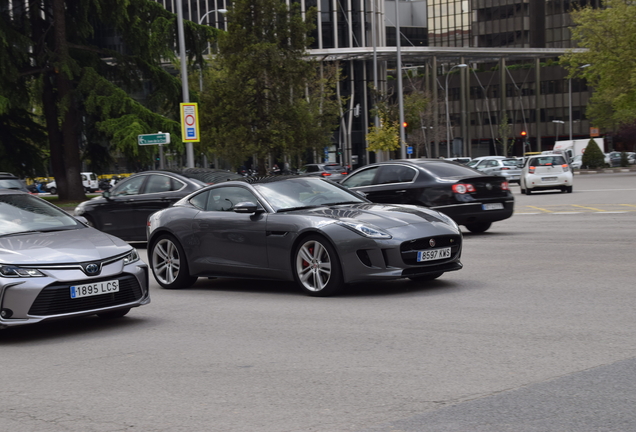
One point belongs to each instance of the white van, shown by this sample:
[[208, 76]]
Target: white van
[[89, 181]]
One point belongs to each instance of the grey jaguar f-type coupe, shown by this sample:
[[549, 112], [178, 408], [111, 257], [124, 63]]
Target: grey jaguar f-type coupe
[[306, 229], [53, 266]]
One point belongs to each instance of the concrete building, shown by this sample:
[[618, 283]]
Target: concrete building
[[509, 47]]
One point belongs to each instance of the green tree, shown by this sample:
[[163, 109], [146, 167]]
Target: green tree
[[609, 34], [505, 129], [51, 58], [262, 96], [593, 156]]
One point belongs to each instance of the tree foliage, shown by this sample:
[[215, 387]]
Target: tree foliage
[[262, 96], [609, 34], [54, 56], [593, 156]]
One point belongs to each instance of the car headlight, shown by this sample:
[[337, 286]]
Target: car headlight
[[17, 272], [79, 210], [131, 257], [366, 230]]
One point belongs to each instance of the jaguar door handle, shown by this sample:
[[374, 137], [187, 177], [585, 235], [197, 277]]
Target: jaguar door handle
[[400, 191]]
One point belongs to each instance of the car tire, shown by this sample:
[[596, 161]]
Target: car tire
[[425, 278], [114, 314], [528, 191], [568, 189], [523, 191], [478, 227], [168, 263], [53, 191], [316, 267]]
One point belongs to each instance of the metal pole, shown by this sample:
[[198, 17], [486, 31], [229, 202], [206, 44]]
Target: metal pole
[[184, 76], [570, 105], [399, 77], [448, 125]]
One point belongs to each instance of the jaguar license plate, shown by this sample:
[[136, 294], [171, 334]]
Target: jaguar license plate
[[433, 254], [548, 179], [492, 206], [97, 288]]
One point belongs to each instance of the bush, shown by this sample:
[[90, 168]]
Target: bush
[[593, 156]]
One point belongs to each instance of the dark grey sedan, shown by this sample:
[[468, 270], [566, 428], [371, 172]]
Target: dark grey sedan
[[305, 229], [53, 266]]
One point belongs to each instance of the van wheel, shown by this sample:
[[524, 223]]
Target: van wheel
[[528, 191], [569, 189]]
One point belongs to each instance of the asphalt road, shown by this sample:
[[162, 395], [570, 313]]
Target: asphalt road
[[536, 333]]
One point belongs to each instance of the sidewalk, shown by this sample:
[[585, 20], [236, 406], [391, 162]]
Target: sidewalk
[[606, 170]]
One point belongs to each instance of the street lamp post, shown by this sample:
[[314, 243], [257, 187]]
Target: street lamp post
[[448, 125], [222, 12], [184, 76], [570, 100], [558, 122], [399, 81]]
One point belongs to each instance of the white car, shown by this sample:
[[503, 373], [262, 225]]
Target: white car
[[505, 167], [545, 172], [89, 181], [577, 162]]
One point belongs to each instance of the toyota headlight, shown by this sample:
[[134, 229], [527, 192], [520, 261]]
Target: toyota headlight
[[18, 272], [366, 230], [131, 257]]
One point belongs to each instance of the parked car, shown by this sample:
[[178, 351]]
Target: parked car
[[89, 181], [123, 210], [546, 172], [577, 162], [508, 168], [615, 159], [53, 266], [461, 160], [332, 171], [10, 181], [306, 229], [470, 197]]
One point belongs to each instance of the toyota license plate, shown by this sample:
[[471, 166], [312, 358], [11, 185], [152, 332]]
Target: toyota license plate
[[492, 206], [97, 288], [548, 179], [433, 254]]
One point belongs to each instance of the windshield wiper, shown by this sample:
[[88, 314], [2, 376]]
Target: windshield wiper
[[347, 202], [299, 208], [20, 233]]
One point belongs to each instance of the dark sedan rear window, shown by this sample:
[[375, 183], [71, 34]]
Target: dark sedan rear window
[[443, 169]]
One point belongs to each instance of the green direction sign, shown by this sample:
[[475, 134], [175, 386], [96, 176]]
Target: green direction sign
[[153, 139]]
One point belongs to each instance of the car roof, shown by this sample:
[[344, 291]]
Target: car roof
[[8, 175]]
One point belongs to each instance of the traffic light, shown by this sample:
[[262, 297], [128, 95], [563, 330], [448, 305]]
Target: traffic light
[[524, 134], [404, 125]]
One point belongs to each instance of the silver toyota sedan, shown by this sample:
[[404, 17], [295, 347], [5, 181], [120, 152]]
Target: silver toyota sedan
[[53, 266]]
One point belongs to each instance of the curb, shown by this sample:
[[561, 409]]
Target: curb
[[605, 171]]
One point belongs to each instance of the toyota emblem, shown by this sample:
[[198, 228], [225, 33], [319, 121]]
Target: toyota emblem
[[488, 186], [92, 269], [431, 242]]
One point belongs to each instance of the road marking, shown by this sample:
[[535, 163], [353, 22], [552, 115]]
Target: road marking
[[542, 209], [628, 205], [567, 212], [589, 208]]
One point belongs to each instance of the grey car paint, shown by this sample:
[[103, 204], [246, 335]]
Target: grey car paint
[[261, 244]]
